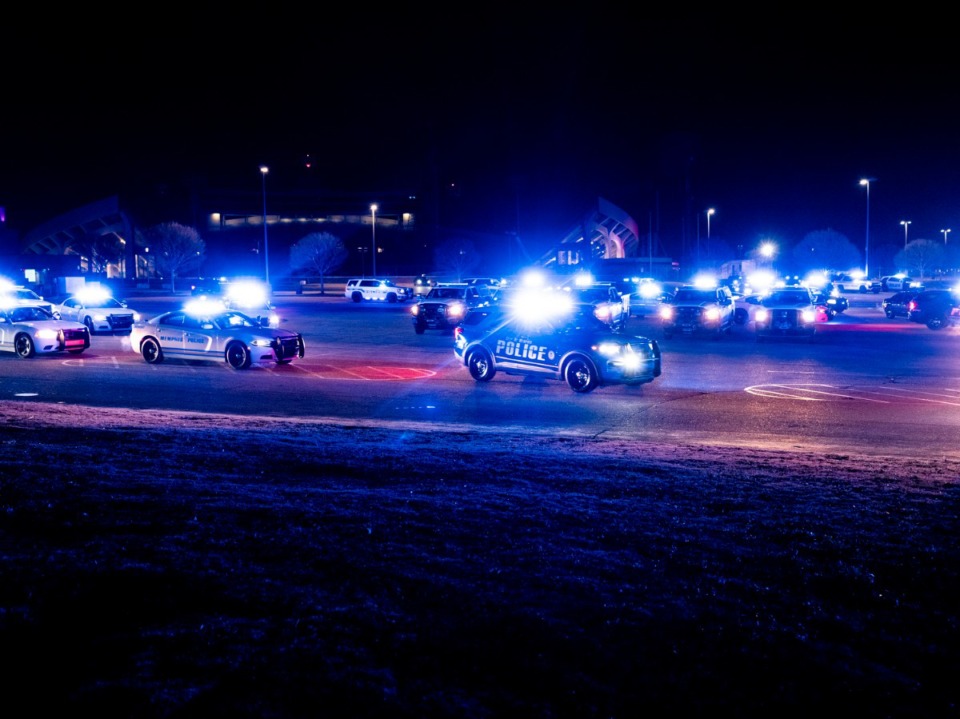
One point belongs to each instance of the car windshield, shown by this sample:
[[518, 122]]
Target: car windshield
[[694, 295], [29, 314], [231, 320], [447, 292], [788, 298]]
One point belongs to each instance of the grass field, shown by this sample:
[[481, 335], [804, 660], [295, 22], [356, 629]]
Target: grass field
[[188, 565]]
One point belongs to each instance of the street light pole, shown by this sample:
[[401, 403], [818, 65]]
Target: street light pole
[[944, 235], [266, 248], [906, 224], [710, 213], [373, 235], [866, 247]]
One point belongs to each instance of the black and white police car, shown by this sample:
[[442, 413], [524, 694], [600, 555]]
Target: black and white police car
[[555, 340]]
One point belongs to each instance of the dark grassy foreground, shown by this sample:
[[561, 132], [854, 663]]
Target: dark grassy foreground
[[208, 567]]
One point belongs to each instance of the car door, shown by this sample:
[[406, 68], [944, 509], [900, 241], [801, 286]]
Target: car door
[[70, 309], [200, 337], [170, 333]]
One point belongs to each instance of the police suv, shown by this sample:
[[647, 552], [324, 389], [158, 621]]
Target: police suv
[[788, 312], [561, 342], [695, 310]]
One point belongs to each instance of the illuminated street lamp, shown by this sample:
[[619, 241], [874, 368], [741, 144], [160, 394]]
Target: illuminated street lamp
[[945, 232], [373, 234], [710, 213], [865, 182], [906, 224], [768, 250], [266, 249]]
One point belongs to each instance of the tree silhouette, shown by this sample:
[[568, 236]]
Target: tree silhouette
[[825, 250], [318, 251], [174, 248], [921, 257], [457, 257]]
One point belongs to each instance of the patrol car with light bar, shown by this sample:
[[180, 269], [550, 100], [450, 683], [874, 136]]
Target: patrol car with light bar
[[554, 340]]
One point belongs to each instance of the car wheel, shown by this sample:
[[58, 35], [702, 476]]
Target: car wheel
[[937, 322], [581, 375], [480, 365], [357, 297], [237, 355], [150, 349], [89, 323], [889, 314], [392, 298], [23, 345], [740, 316], [419, 329]]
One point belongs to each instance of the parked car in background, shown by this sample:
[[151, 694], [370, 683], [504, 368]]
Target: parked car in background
[[447, 304], [26, 331], [694, 310], [935, 308], [96, 308], [898, 304], [830, 299], [22, 296], [422, 285], [788, 312], [608, 304], [900, 282], [645, 295], [851, 283], [376, 290]]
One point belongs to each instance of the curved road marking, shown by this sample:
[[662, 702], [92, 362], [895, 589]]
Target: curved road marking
[[830, 393]]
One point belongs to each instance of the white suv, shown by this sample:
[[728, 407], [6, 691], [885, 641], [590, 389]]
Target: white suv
[[376, 290]]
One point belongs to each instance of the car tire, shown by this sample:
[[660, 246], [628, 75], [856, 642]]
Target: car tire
[[581, 375], [89, 323], [740, 316], [480, 365], [150, 351], [237, 355], [23, 346], [889, 314], [937, 322], [419, 329], [357, 297], [392, 298]]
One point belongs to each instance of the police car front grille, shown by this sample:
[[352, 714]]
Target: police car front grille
[[120, 322], [74, 334], [288, 347], [785, 317], [688, 314], [433, 311]]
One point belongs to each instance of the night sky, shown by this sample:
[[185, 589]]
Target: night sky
[[770, 118]]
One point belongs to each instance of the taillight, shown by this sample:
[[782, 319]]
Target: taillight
[[911, 305]]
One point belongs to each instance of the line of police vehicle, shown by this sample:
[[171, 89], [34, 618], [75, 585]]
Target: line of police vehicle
[[574, 331]]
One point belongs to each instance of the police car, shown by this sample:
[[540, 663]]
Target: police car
[[205, 330], [561, 342]]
